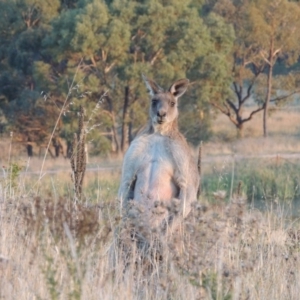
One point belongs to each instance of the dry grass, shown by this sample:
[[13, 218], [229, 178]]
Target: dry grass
[[253, 146], [284, 131], [282, 121], [58, 164], [52, 248]]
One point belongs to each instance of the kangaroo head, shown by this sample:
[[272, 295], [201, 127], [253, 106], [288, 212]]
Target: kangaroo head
[[163, 108]]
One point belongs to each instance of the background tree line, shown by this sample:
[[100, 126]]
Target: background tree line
[[235, 53]]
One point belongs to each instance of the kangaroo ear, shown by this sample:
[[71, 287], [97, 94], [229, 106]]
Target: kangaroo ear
[[152, 87], [179, 87]]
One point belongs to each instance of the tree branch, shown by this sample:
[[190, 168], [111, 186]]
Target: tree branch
[[231, 104], [257, 73], [104, 55], [237, 91], [277, 51], [105, 133], [35, 21], [253, 113], [93, 61], [107, 113], [264, 58], [225, 112], [285, 96], [108, 68], [220, 108], [155, 56], [247, 96], [258, 69]]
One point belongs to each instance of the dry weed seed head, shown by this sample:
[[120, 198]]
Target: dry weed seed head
[[216, 246], [199, 168], [78, 156], [209, 232], [82, 221]]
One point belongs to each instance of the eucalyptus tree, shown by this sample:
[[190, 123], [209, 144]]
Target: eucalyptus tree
[[23, 24], [170, 40], [89, 41], [275, 34], [113, 43], [265, 31]]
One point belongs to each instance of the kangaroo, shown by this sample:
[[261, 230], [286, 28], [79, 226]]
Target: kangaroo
[[158, 166]]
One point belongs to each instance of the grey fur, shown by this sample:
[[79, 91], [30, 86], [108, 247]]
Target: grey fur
[[159, 168]]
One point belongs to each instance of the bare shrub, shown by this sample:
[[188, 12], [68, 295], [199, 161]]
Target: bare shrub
[[78, 156], [53, 249]]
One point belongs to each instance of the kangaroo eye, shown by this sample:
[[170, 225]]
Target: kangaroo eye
[[172, 103], [154, 101]]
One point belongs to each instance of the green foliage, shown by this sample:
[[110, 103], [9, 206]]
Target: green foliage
[[108, 187], [70, 229], [49, 271], [117, 42], [11, 174], [264, 32], [126, 41], [23, 28], [108, 44], [100, 146], [273, 29], [199, 129], [260, 180], [210, 283]]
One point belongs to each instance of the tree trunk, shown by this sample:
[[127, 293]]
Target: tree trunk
[[268, 97], [115, 142], [50, 152], [125, 127], [240, 130], [130, 128], [29, 150], [240, 123], [57, 146], [69, 149], [57, 150], [29, 147], [269, 90], [115, 138]]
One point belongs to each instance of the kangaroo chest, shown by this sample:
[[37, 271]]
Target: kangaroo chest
[[155, 169], [157, 151]]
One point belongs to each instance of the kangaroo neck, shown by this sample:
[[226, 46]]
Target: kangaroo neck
[[165, 129]]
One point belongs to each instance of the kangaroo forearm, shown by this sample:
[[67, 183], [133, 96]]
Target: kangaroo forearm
[[123, 194]]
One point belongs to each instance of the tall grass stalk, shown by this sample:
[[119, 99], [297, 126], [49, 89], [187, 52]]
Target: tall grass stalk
[[54, 249], [199, 169], [9, 163], [232, 177], [58, 119]]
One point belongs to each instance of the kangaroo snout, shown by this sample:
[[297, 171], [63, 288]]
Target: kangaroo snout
[[161, 116], [161, 113]]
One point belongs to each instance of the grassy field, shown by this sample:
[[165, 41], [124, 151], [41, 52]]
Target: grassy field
[[52, 248], [230, 247]]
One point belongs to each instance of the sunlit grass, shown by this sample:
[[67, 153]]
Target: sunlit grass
[[52, 248], [262, 179], [230, 247]]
